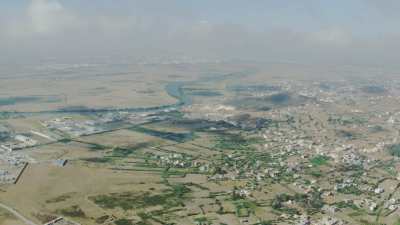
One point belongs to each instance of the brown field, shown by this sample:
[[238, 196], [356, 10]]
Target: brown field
[[7, 219], [98, 87], [42, 183]]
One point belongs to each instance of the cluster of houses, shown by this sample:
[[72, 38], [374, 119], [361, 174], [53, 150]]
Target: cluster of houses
[[174, 160], [19, 142], [72, 127]]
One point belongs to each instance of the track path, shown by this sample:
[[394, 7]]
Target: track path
[[17, 214]]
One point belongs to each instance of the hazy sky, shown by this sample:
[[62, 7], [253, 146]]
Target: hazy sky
[[339, 31]]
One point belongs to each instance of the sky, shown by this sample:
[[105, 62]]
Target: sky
[[309, 31]]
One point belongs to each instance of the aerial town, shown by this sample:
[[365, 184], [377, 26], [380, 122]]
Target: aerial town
[[199, 112], [235, 148]]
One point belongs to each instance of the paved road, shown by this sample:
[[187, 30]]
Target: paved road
[[17, 214]]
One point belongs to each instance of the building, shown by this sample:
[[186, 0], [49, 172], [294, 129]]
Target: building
[[60, 162]]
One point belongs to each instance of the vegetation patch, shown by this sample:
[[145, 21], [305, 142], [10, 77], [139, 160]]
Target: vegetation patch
[[201, 187], [316, 173], [73, 211], [200, 124], [202, 221], [98, 160], [310, 202], [280, 98], [65, 140], [376, 129], [126, 151], [18, 100], [177, 137], [350, 190], [347, 134], [394, 150], [121, 152], [265, 103], [374, 89], [350, 205], [233, 142], [97, 147], [123, 222], [244, 208], [347, 120], [128, 200], [60, 198], [319, 160]]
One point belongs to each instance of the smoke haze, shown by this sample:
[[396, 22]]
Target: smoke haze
[[338, 32]]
